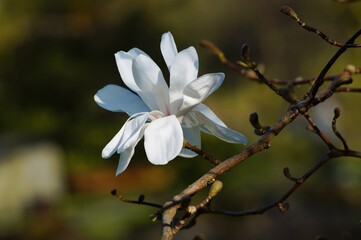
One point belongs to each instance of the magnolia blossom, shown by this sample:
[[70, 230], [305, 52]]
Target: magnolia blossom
[[164, 115]]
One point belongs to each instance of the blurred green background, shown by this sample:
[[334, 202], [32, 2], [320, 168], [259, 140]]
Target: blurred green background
[[55, 55]]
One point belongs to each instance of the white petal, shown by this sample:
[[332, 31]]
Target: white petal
[[193, 137], [183, 71], [126, 148], [205, 110], [117, 99], [133, 131], [124, 62], [211, 123], [124, 160], [200, 89], [168, 48], [163, 140], [153, 88], [112, 146]]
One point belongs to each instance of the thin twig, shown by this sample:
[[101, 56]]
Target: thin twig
[[140, 200], [247, 62], [292, 13], [281, 202], [201, 153], [170, 208], [193, 211], [348, 90], [318, 131], [337, 113], [309, 97], [297, 81], [222, 58], [258, 128]]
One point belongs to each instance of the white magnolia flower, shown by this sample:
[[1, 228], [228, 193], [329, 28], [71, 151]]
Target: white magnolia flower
[[163, 115]]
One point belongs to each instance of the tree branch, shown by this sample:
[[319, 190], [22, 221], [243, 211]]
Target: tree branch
[[292, 13], [298, 182]]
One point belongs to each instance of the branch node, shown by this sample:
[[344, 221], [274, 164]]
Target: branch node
[[283, 207], [351, 69], [114, 192], [215, 189], [209, 182], [287, 174], [154, 217], [140, 200], [201, 153], [337, 113], [289, 12], [214, 49], [245, 52], [258, 128], [191, 209]]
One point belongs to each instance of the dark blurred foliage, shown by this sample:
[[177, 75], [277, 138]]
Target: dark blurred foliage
[[55, 55]]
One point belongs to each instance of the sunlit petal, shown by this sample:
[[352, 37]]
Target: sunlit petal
[[163, 140], [200, 89], [112, 146], [124, 159], [133, 131], [150, 80], [117, 99], [206, 111], [211, 124], [168, 48], [184, 70], [130, 130], [124, 62]]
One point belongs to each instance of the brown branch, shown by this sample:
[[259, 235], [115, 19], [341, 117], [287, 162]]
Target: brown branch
[[337, 113], [140, 200], [348, 90], [247, 62], [343, 79], [222, 58], [258, 128], [201, 153], [194, 211], [170, 208], [298, 182], [292, 13], [309, 97], [318, 131], [297, 81]]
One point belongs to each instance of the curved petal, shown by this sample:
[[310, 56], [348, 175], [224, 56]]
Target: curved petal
[[168, 48], [184, 70], [200, 89], [163, 140], [124, 160], [117, 99], [124, 62], [133, 131], [193, 136], [153, 88], [112, 146], [205, 110], [210, 124]]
